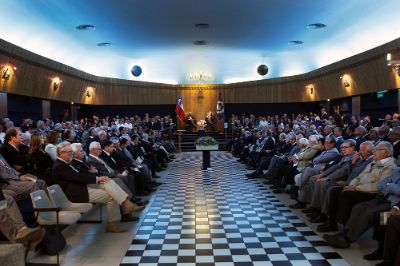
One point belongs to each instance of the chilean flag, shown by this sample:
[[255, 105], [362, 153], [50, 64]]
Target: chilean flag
[[179, 109]]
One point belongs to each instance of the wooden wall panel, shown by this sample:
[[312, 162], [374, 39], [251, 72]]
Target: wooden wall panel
[[367, 72]]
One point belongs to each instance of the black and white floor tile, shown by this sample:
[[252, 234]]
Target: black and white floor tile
[[218, 217]]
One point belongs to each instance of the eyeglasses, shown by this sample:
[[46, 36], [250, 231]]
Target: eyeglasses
[[69, 151], [345, 147]]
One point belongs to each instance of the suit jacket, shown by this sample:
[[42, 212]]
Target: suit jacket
[[15, 157], [359, 140], [342, 166], [368, 179], [325, 157], [396, 151], [122, 160], [6, 171], [90, 160], [390, 187], [304, 157], [111, 162], [72, 181]]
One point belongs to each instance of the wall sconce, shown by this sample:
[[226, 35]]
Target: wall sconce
[[310, 88], [394, 63], [89, 91], [56, 83], [345, 80], [6, 73]]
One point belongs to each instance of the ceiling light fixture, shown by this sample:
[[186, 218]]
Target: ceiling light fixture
[[200, 42], [104, 44], [295, 42], [316, 26], [202, 25], [394, 63], [86, 27], [200, 76]]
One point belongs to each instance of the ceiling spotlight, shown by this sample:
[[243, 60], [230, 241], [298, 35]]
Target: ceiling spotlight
[[202, 25], [295, 42], [104, 44], [86, 27], [316, 26], [200, 42]]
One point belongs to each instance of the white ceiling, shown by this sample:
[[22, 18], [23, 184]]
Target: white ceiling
[[158, 35]]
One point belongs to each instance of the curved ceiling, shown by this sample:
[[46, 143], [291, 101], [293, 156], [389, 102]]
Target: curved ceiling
[[159, 35]]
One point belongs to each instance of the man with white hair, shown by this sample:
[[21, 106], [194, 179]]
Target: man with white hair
[[102, 167], [80, 186]]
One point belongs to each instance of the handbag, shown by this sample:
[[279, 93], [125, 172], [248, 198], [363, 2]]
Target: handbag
[[53, 241]]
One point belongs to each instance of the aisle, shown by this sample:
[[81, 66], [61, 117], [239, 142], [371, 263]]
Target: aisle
[[219, 217]]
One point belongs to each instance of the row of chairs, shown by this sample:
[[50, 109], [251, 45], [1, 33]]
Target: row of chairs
[[54, 209]]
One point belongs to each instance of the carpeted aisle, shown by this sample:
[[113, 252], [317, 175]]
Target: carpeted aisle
[[219, 217]]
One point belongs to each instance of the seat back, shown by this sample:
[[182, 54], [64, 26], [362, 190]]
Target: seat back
[[41, 200], [58, 197]]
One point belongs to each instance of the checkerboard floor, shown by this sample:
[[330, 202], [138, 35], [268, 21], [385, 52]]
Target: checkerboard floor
[[219, 217]]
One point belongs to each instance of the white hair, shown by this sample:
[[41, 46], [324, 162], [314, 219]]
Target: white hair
[[313, 138], [304, 141], [93, 145], [75, 146]]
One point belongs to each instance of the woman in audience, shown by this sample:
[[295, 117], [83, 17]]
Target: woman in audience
[[51, 142], [40, 160]]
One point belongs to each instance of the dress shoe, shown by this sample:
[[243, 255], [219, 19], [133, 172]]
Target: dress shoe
[[298, 205], [313, 215], [144, 193], [277, 191], [268, 182], [251, 168], [274, 187], [142, 202], [128, 207], [376, 255], [155, 176], [327, 227], [319, 219], [113, 227], [309, 210], [30, 236], [252, 174], [336, 241], [385, 263], [155, 184], [128, 218]]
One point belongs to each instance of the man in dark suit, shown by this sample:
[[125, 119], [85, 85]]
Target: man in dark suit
[[394, 137], [84, 186], [11, 152], [94, 159]]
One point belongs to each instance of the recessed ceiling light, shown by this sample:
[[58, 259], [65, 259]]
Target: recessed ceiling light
[[316, 26], [202, 25], [295, 42], [200, 43], [103, 44], [86, 27]]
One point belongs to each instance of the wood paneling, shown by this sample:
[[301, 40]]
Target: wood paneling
[[367, 72]]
